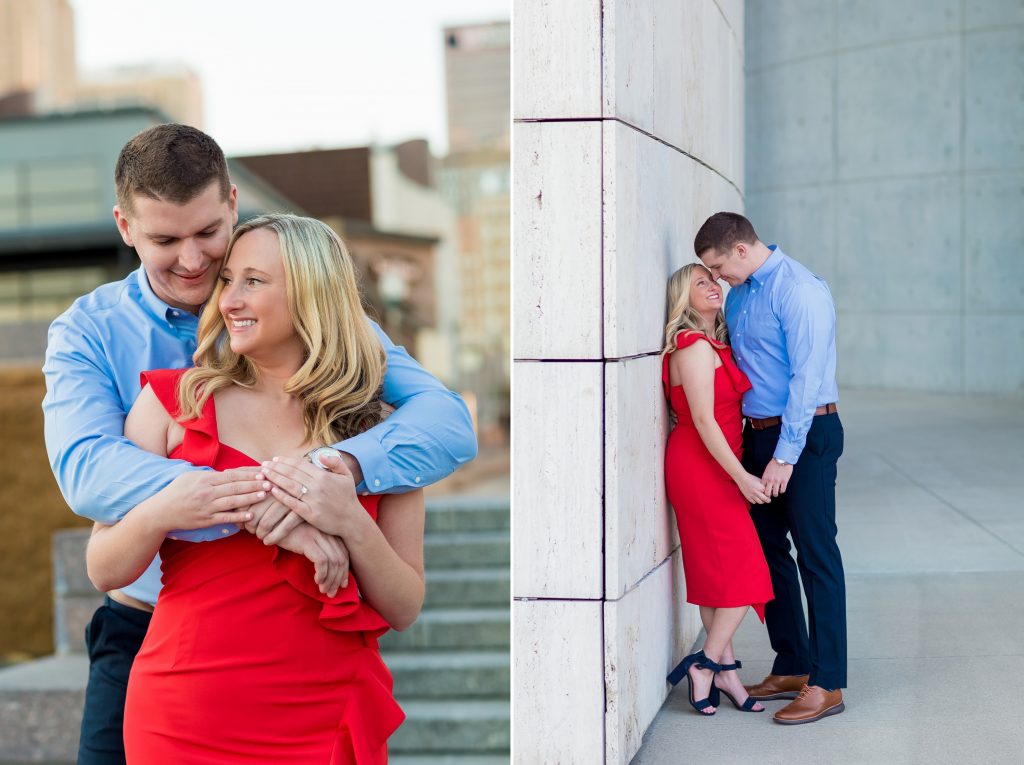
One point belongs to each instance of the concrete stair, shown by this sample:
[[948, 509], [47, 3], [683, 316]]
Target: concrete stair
[[451, 668]]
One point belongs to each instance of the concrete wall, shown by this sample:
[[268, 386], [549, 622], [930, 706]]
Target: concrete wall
[[628, 134], [884, 151]]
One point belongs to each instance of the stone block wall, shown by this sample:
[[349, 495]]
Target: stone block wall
[[628, 134]]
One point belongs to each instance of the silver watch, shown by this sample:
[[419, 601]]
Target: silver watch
[[780, 463], [314, 455]]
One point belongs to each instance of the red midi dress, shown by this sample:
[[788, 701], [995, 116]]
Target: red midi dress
[[245, 661], [723, 562]]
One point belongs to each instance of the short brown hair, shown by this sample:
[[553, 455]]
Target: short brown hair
[[171, 162], [723, 231]]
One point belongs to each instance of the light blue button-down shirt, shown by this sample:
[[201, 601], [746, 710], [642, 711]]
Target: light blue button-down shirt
[[782, 325], [98, 347]]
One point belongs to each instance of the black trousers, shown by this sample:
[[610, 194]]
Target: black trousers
[[113, 638], [807, 513]]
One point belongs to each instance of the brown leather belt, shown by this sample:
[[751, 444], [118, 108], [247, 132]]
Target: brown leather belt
[[771, 422], [128, 600]]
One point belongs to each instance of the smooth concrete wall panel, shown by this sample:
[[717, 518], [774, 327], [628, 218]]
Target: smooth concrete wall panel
[[557, 59], [920, 351], [994, 232], [993, 13], [874, 22], [992, 354], [558, 694], [898, 110], [638, 522], [889, 259], [802, 221], [786, 30], [558, 432], [647, 631], [994, 84], [628, 61], [789, 125], [557, 197]]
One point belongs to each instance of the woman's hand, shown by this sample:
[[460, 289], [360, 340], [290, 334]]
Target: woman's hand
[[325, 499], [752, 488]]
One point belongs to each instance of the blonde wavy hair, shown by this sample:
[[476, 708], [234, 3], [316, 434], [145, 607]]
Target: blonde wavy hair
[[339, 382], [681, 315]]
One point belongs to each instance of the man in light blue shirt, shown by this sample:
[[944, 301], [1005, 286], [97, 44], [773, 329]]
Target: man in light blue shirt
[[176, 207], [782, 329]]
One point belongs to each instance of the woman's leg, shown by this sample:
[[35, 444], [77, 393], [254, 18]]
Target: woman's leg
[[730, 680]]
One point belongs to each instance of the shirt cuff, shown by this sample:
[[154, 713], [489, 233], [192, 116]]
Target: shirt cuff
[[373, 461], [788, 451], [205, 535]]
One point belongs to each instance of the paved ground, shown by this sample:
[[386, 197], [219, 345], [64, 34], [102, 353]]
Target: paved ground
[[931, 527]]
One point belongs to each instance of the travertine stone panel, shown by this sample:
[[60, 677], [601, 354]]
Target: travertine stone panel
[[874, 22], [628, 61], [557, 60], [655, 200], [639, 527], [889, 259], [557, 198], [899, 350], [733, 12], [698, 76], [558, 694], [995, 241], [891, 117], [994, 72], [557, 479], [646, 633]]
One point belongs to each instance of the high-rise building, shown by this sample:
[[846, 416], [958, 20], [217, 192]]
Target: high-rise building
[[172, 88], [37, 52], [476, 61], [475, 181]]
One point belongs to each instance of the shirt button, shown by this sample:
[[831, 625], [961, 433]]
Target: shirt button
[[364, 494], [419, 478], [224, 531], [376, 482], [174, 537]]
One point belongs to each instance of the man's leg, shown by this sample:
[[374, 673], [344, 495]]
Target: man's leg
[[783, 616], [810, 501], [113, 637]]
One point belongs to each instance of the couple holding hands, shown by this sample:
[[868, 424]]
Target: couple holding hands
[[739, 490]]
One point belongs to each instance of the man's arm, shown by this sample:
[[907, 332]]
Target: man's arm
[[428, 436], [101, 474], [809, 325]]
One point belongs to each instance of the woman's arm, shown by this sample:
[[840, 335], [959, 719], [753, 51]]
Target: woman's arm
[[386, 556], [694, 366], [117, 555]]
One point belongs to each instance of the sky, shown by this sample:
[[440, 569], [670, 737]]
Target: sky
[[283, 75]]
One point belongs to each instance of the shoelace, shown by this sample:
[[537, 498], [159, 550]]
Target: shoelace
[[805, 691]]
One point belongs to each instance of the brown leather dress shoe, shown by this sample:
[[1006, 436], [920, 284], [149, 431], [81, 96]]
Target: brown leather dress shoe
[[777, 687], [811, 705]]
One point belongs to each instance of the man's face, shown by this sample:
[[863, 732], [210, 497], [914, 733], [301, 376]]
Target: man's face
[[731, 266], [181, 245]]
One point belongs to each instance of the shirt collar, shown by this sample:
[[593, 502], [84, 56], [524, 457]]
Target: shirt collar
[[762, 274], [155, 305]]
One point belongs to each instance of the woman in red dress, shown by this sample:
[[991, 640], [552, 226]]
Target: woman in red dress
[[246, 660], [725, 569]]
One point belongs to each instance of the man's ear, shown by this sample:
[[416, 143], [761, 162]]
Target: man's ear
[[742, 250], [122, 226], [233, 204]]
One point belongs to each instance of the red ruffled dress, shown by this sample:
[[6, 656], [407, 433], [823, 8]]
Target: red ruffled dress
[[723, 562], [245, 661]]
